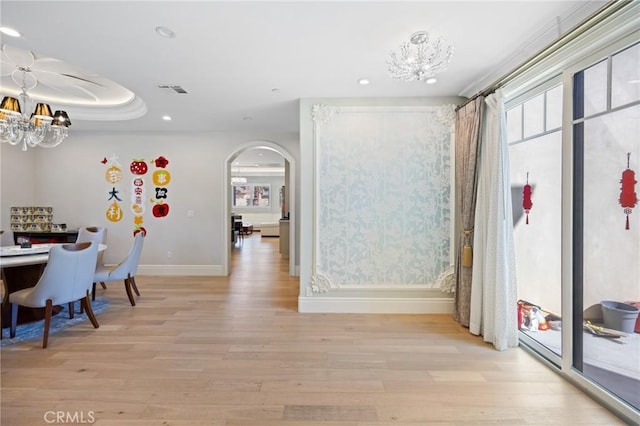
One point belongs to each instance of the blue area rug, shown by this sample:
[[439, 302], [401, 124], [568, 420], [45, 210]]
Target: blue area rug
[[34, 330]]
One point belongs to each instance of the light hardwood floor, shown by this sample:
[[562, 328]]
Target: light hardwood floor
[[234, 351]]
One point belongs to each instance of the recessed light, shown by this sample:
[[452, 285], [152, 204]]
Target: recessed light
[[247, 118], [431, 80], [10, 32], [165, 32], [166, 117], [363, 81], [275, 90]]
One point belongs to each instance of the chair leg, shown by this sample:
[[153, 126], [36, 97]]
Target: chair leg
[[133, 284], [104, 286], [86, 302], [127, 287], [14, 320], [93, 291], [72, 308], [48, 311]]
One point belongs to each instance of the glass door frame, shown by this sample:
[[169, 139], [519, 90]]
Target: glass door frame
[[572, 272]]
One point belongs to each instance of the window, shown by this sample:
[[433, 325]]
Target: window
[[535, 156]]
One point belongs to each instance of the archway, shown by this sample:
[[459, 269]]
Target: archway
[[290, 188]]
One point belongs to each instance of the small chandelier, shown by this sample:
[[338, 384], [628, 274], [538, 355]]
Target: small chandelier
[[41, 128], [237, 180], [421, 59]]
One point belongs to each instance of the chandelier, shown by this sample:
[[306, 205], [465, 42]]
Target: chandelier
[[237, 180], [421, 58], [40, 128]]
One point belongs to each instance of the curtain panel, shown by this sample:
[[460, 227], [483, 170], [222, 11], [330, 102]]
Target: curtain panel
[[468, 124], [493, 290]]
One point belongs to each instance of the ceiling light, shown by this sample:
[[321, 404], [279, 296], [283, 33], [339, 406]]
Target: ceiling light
[[40, 128], [363, 81], [166, 117], [165, 32], [421, 59], [431, 80], [237, 180], [10, 32]]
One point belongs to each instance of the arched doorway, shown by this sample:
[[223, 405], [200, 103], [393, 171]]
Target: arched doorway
[[290, 190]]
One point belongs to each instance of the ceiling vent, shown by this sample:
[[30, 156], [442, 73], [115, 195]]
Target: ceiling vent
[[174, 87]]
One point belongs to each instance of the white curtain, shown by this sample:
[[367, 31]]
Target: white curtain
[[493, 289]]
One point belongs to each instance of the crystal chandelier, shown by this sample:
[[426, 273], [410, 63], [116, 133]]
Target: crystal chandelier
[[421, 59], [41, 128]]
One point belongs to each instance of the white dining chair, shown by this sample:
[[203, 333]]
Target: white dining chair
[[97, 234], [67, 277], [125, 270]]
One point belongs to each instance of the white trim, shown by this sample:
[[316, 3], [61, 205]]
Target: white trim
[[375, 305], [181, 270], [622, 25]]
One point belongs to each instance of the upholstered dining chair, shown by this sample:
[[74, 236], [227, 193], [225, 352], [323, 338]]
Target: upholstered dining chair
[[125, 270], [96, 234], [67, 277]]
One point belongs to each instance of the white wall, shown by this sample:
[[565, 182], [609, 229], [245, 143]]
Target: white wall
[[71, 178], [17, 185]]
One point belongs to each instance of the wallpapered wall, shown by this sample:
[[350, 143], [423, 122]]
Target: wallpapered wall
[[382, 196]]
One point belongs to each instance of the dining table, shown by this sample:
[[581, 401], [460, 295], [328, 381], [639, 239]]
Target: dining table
[[21, 267]]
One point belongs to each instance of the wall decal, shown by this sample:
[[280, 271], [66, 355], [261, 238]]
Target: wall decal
[[161, 178], [114, 212], [628, 197], [527, 204], [161, 162], [138, 167], [113, 176], [137, 202]]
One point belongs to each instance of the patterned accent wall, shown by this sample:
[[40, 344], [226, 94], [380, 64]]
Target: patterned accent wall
[[382, 196]]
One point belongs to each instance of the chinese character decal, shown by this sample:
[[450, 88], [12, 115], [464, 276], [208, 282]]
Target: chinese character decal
[[113, 176], [161, 178]]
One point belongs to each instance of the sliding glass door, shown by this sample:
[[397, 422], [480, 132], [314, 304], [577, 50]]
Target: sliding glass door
[[606, 223], [535, 155]]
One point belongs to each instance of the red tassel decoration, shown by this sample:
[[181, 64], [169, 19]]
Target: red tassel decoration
[[628, 197], [527, 204]]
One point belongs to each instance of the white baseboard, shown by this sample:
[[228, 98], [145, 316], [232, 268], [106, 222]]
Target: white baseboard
[[378, 305], [185, 270]]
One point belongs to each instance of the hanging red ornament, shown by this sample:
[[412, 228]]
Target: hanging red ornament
[[628, 197], [527, 204]]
